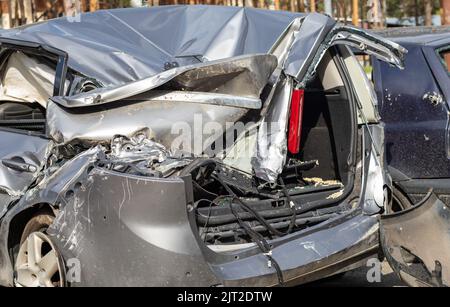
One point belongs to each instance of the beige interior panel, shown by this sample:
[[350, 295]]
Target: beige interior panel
[[24, 79]]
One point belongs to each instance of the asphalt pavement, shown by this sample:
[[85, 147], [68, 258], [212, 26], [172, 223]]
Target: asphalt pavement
[[358, 278]]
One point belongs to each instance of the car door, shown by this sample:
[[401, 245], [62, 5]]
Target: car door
[[23, 144], [22, 156], [414, 107], [416, 242]]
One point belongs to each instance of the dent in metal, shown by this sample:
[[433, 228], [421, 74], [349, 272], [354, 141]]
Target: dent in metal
[[134, 44], [307, 41], [243, 76], [434, 98], [169, 123], [139, 146], [22, 148], [271, 147], [145, 156], [195, 96], [149, 235]]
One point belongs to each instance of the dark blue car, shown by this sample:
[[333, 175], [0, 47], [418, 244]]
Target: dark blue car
[[414, 105]]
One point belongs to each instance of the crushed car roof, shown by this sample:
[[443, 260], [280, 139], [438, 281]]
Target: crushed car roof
[[139, 42]]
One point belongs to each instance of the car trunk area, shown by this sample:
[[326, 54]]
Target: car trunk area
[[231, 205]]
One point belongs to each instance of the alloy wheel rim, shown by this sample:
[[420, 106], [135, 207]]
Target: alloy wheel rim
[[38, 263]]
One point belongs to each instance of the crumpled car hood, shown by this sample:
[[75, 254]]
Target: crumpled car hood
[[137, 43]]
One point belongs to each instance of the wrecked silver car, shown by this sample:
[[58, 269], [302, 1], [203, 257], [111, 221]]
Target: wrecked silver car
[[154, 147]]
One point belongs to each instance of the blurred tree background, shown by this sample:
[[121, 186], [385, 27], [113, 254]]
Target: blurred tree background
[[412, 8], [402, 8], [364, 13]]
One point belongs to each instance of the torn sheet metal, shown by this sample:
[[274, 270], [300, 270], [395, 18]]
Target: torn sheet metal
[[316, 34], [139, 155], [271, 148], [307, 41], [283, 45], [139, 146], [370, 43], [136, 43], [58, 179], [175, 113], [242, 76], [281, 50], [173, 124], [416, 242]]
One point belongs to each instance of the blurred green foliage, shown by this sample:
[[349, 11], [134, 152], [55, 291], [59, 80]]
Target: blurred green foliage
[[407, 8]]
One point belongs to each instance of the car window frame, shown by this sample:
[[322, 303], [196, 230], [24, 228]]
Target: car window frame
[[60, 56], [437, 69], [438, 53], [52, 53]]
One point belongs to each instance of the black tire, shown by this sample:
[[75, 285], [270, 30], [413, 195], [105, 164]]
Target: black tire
[[39, 222]]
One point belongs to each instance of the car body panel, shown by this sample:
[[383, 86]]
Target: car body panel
[[135, 239], [408, 116], [22, 150], [151, 239], [25, 149], [416, 242], [417, 117], [224, 76]]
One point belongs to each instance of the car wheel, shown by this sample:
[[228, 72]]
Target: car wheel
[[38, 263], [400, 202]]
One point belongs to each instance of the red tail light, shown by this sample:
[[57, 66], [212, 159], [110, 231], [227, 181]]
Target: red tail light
[[295, 121]]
